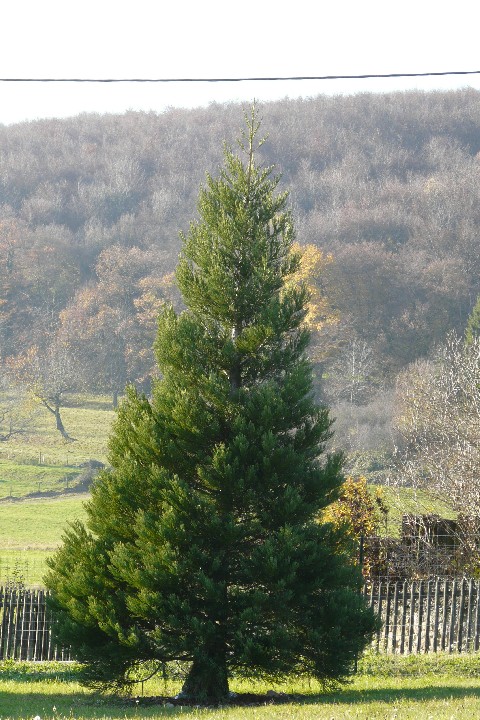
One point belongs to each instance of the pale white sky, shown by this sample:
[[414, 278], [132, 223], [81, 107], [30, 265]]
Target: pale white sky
[[224, 38]]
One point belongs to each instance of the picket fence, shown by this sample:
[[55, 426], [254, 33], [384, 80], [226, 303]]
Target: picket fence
[[427, 615], [417, 617], [26, 626]]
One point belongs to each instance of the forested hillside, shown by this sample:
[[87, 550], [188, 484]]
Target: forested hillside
[[387, 186]]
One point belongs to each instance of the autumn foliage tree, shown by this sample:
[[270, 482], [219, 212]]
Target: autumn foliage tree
[[362, 513], [359, 508], [321, 317], [111, 325], [202, 543]]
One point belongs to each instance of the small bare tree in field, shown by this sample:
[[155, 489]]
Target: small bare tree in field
[[47, 375]]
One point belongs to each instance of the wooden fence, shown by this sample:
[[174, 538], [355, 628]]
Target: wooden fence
[[427, 615], [26, 626], [424, 616]]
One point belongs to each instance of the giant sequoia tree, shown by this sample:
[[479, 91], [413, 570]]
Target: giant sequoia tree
[[202, 542]]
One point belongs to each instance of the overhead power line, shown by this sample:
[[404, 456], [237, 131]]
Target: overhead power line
[[240, 79]]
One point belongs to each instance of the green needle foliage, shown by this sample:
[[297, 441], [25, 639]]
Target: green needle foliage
[[202, 542], [473, 324]]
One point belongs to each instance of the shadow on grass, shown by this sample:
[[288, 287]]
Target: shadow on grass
[[389, 695], [89, 402], [31, 674], [20, 704]]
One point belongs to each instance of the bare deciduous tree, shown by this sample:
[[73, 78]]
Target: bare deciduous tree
[[438, 421], [47, 375], [352, 375]]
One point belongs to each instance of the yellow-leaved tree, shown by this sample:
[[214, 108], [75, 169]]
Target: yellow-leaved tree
[[360, 512], [322, 318]]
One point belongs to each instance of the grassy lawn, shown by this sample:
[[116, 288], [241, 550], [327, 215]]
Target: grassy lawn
[[43, 460], [404, 500], [37, 524], [20, 479], [30, 530], [416, 687]]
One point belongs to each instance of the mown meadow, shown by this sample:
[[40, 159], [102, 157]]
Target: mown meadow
[[42, 456], [398, 688], [38, 495], [39, 474]]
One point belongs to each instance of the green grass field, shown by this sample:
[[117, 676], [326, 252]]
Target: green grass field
[[43, 462], [20, 479], [427, 687], [404, 500], [30, 530], [38, 524]]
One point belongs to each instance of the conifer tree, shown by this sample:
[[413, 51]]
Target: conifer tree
[[472, 330], [202, 541]]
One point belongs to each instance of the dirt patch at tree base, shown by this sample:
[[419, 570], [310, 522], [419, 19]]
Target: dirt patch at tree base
[[237, 699]]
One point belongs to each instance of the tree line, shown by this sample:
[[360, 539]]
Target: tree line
[[386, 187]]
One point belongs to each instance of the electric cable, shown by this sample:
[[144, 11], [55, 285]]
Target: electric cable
[[365, 76]]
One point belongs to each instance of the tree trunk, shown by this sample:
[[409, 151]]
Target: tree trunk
[[60, 427], [115, 399], [235, 371], [207, 680]]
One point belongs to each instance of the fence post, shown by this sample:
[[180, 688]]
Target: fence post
[[444, 617], [395, 619], [461, 615], [428, 616], [404, 618], [420, 616], [451, 633], [468, 642], [379, 612], [411, 627], [477, 618], [436, 613]]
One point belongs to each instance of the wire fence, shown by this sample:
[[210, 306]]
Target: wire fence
[[428, 547]]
